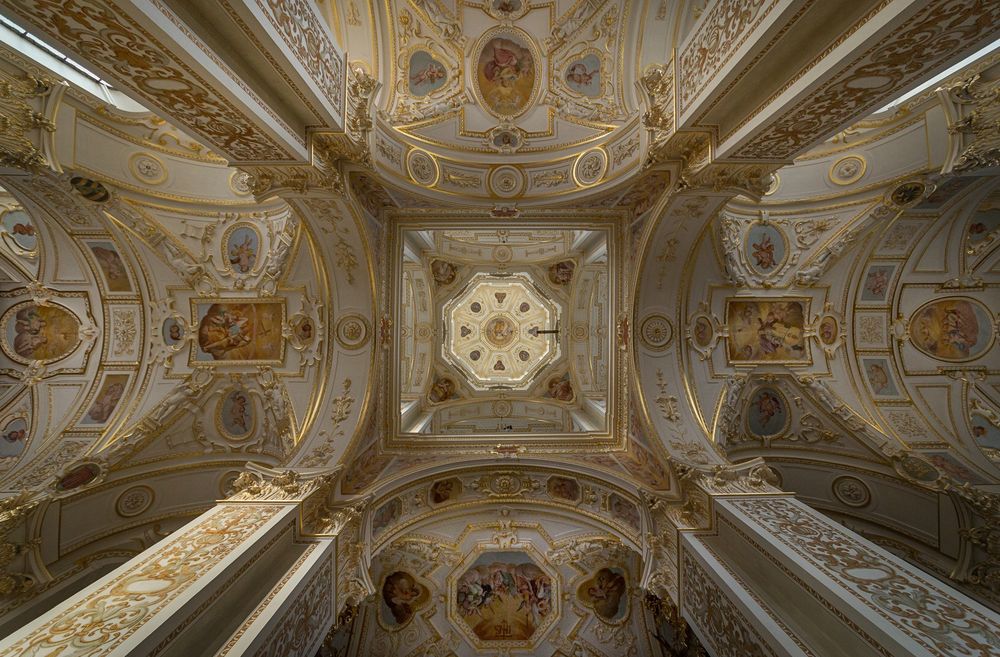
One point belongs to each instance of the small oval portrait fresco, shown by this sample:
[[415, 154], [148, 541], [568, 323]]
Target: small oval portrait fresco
[[506, 140], [44, 333], [13, 437], [702, 331], [236, 414], [506, 7], [442, 390], [952, 329], [828, 330], [19, 228], [561, 273], [563, 488], [402, 596], [765, 248], [112, 266], [560, 388], [173, 331], [767, 414], [425, 74], [444, 272], [584, 76], [606, 592], [506, 73], [445, 490], [242, 248], [79, 476]]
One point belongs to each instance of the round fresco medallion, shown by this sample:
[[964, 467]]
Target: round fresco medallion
[[242, 246], [583, 76], [506, 78], [851, 491], [656, 332], [953, 329], [173, 331], [13, 437], [90, 189], [506, 181], [235, 415], [425, 74], [39, 333], [134, 501], [79, 476], [766, 247], [502, 253], [848, 170], [500, 331], [422, 168], [828, 329], [774, 185], [590, 167], [702, 331], [19, 228], [241, 183], [352, 331], [606, 592], [908, 194], [147, 168], [226, 482], [767, 414]]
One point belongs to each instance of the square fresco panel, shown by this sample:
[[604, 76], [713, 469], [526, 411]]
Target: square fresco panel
[[234, 331], [106, 401], [878, 373], [875, 284], [767, 330], [111, 265]]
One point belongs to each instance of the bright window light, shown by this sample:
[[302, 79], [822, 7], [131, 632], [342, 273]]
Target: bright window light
[[943, 75], [28, 36]]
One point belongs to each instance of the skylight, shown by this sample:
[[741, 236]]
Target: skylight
[[943, 75], [31, 38]]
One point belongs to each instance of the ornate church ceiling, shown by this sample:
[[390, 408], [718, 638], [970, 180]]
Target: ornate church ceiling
[[531, 283]]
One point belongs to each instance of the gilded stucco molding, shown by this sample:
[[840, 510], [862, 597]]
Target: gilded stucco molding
[[18, 120]]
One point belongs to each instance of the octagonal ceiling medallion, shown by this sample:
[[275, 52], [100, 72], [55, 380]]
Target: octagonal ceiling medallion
[[493, 331]]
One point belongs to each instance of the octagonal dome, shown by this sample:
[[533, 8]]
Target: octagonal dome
[[493, 327]]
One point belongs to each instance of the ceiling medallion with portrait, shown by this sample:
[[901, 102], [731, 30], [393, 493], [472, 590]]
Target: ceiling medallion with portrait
[[496, 331]]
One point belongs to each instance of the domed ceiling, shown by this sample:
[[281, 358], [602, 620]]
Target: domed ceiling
[[507, 100], [505, 329]]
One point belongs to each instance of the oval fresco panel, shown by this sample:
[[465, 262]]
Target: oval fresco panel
[[985, 434], [506, 72], [765, 248], [81, 475], [18, 226], [584, 76], [767, 414], [173, 331], [952, 329], [236, 415], [13, 437], [242, 248], [829, 330], [425, 74], [44, 333]]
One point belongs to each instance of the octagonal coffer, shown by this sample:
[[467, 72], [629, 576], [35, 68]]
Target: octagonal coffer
[[495, 331]]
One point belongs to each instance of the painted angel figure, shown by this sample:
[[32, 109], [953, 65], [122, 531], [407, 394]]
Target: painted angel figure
[[427, 75]]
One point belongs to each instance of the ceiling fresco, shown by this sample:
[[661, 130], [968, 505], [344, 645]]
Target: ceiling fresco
[[507, 101], [506, 331], [530, 334]]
